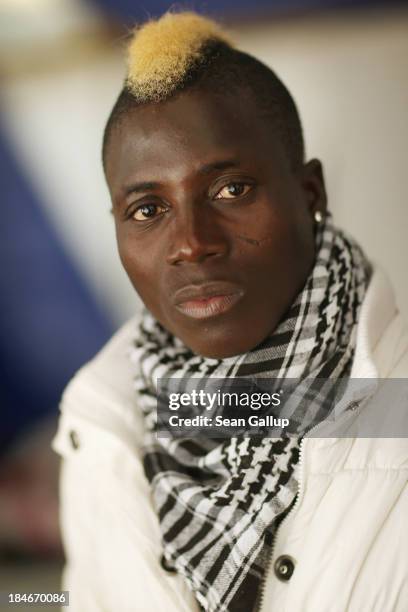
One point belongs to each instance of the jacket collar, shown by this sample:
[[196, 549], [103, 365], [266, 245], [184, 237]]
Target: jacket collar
[[377, 312]]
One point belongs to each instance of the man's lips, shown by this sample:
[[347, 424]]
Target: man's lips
[[207, 300]]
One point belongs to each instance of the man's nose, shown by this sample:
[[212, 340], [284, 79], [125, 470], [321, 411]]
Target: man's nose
[[196, 236]]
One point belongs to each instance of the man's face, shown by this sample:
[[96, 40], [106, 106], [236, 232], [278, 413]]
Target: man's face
[[214, 228]]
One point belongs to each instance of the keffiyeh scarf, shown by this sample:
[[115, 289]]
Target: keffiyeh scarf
[[219, 501]]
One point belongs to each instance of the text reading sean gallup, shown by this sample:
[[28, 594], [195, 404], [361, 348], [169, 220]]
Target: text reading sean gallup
[[222, 399]]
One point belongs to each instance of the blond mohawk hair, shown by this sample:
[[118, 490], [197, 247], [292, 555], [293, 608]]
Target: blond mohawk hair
[[162, 53]]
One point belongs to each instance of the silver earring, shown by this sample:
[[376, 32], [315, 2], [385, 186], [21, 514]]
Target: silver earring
[[318, 216]]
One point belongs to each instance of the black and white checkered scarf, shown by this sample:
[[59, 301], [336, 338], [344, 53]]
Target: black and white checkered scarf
[[219, 501]]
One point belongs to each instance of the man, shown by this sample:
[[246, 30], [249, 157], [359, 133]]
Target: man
[[223, 230]]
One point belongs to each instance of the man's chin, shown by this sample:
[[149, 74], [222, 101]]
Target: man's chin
[[219, 337], [220, 347]]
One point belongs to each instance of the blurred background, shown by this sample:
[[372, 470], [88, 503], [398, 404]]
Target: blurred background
[[62, 290]]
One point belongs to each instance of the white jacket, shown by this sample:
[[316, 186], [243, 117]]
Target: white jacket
[[347, 534]]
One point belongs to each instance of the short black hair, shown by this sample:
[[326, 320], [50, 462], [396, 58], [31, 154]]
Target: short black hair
[[222, 68]]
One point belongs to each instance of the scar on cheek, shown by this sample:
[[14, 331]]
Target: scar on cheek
[[250, 240]]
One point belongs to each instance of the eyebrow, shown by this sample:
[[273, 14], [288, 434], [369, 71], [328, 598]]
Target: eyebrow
[[218, 165], [205, 169], [140, 187]]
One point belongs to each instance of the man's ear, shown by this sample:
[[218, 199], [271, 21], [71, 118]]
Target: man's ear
[[312, 181]]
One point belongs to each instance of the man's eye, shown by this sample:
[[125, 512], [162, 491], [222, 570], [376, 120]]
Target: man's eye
[[147, 211], [232, 190]]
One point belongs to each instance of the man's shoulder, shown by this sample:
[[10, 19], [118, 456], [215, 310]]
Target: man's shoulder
[[100, 397], [382, 333]]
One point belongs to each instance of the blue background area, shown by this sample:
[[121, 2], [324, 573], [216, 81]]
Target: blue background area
[[49, 323], [130, 10]]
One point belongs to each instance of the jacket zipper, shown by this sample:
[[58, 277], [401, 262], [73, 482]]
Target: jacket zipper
[[262, 587]]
